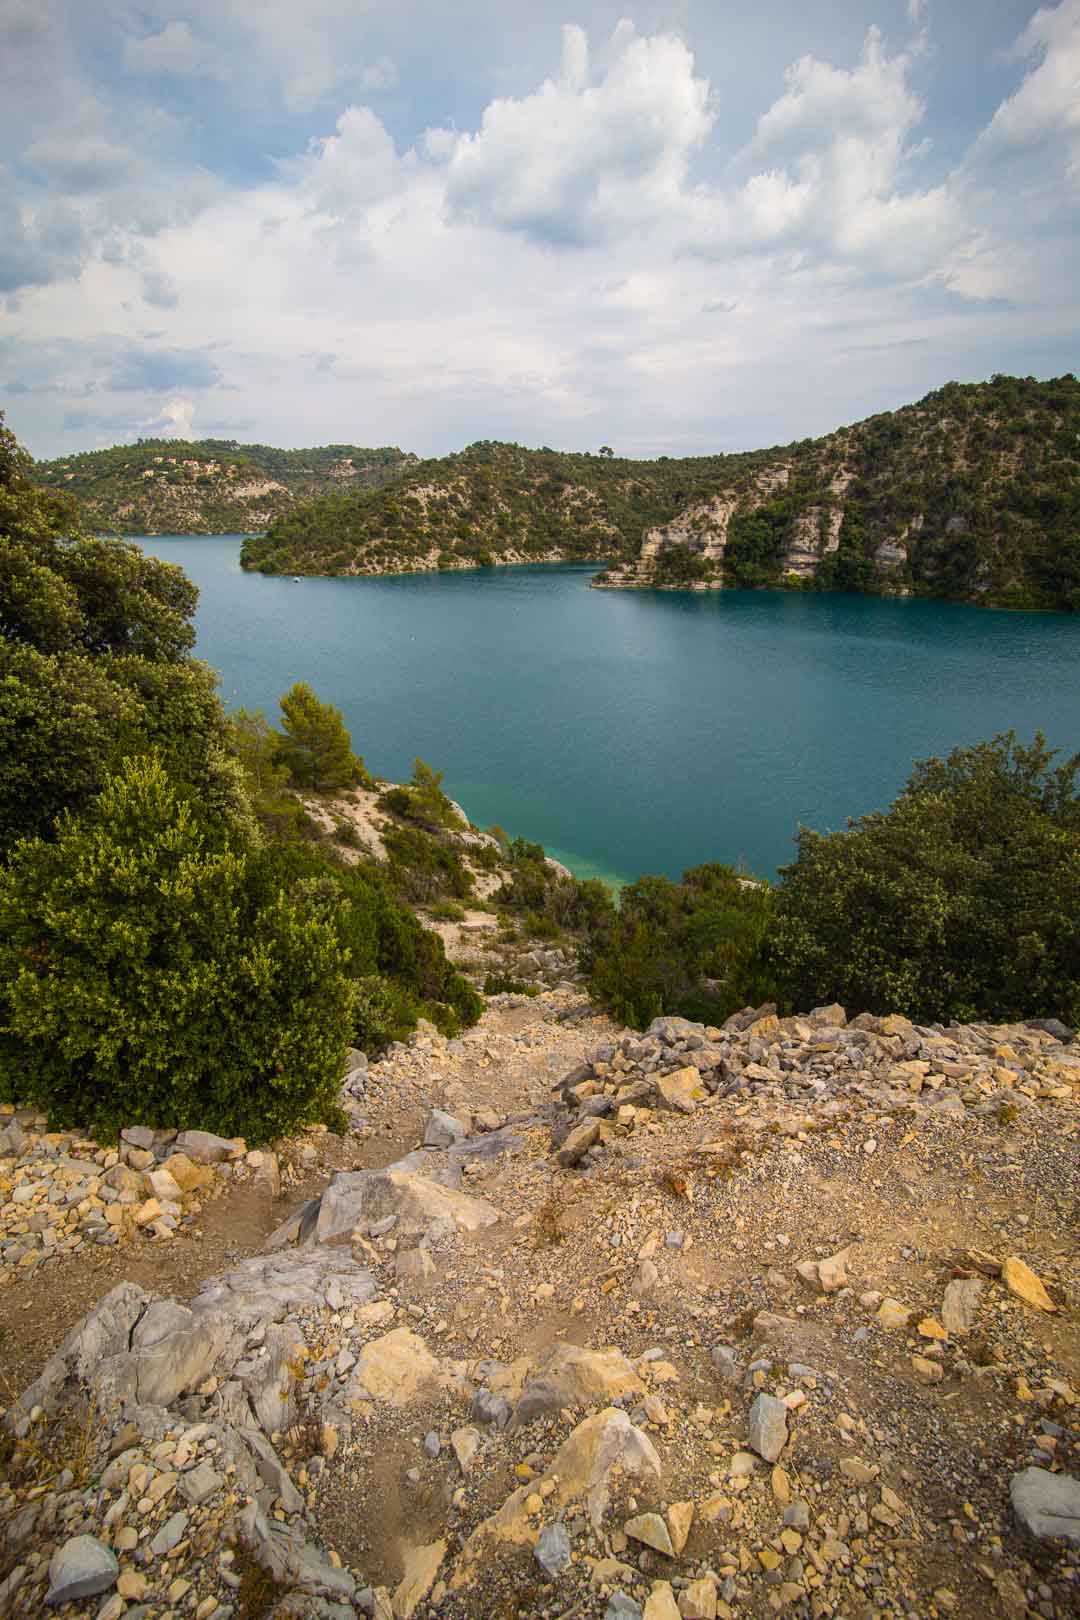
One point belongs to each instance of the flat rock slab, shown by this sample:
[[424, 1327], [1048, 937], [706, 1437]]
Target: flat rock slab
[[766, 1428], [358, 1197], [1047, 1504]]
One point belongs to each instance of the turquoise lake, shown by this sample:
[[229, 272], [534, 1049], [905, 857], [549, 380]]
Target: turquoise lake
[[636, 732]]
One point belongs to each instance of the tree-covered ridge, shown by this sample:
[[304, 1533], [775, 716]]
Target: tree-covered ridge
[[208, 486], [972, 494], [487, 504]]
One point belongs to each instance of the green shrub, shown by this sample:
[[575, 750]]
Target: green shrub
[[695, 948], [959, 902], [313, 745], [148, 977], [423, 868], [447, 911]]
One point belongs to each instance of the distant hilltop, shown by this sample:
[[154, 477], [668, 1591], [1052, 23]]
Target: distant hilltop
[[209, 486], [972, 494]]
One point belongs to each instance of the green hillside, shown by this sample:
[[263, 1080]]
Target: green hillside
[[209, 486], [972, 494], [489, 503]]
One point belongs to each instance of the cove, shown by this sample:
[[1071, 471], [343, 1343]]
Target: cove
[[635, 732]]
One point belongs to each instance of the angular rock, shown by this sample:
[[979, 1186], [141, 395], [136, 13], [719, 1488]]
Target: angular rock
[[581, 1469], [361, 1197], [660, 1603], [622, 1606], [680, 1517], [698, 1600], [1048, 1505], [766, 1427], [960, 1306], [578, 1143], [681, 1091], [1020, 1280], [206, 1148], [573, 1375], [552, 1551], [650, 1529], [891, 1314], [396, 1368], [443, 1130], [81, 1568]]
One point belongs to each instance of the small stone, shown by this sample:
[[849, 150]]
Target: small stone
[[931, 1328], [960, 1306], [466, 1443], [930, 1372], [552, 1550], [132, 1585], [680, 1517], [578, 1143], [1020, 1280], [766, 1429], [891, 1314], [650, 1529]]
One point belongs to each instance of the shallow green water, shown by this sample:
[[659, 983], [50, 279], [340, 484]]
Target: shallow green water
[[637, 732]]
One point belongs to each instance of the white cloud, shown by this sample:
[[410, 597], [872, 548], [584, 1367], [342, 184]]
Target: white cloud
[[381, 75], [175, 50], [584, 156], [584, 261], [1046, 107]]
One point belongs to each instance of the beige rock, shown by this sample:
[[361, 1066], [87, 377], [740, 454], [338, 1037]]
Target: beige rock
[[421, 1567], [466, 1443], [698, 1600], [578, 1143], [188, 1176], [150, 1211], [573, 1375], [650, 1529], [681, 1091], [931, 1328], [960, 1305], [680, 1517], [660, 1603], [1020, 1280], [396, 1368], [581, 1469], [930, 1372], [891, 1314]]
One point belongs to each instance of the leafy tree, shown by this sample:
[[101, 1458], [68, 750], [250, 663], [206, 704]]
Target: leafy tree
[[315, 747], [695, 948], [148, 974], [94, 662], [959, 902]]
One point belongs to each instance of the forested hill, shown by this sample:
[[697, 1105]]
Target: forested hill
[[209, 486], [971, 494], [489, 503]]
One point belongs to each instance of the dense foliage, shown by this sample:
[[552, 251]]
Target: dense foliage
[[972, 494], [208, 486], [959, 902], [489, 503], [174, 950], [695, 948]]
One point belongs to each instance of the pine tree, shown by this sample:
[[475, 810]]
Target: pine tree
[[315, 747]]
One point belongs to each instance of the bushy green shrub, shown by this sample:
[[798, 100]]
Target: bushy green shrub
[[959, 902], [504, 984], [148, 976], [695, 948], [423, 867]]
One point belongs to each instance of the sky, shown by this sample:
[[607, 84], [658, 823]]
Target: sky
[[675, 227]]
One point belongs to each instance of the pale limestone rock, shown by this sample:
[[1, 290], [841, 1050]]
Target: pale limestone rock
[[1020, 1280], [960, 1306], [660, 1603], [681, 1091], [573, 1375], [580, 1470], [650, 1529], [396, 1368], [422, 1564]]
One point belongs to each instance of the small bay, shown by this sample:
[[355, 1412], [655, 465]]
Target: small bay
[[636, 732]]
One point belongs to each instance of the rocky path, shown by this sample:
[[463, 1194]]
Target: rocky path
[[780, 1318]]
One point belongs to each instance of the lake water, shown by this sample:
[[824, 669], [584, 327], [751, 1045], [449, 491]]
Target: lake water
[[636, 732]]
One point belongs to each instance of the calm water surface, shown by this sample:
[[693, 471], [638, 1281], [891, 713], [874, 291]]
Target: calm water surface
[[636, 732]]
